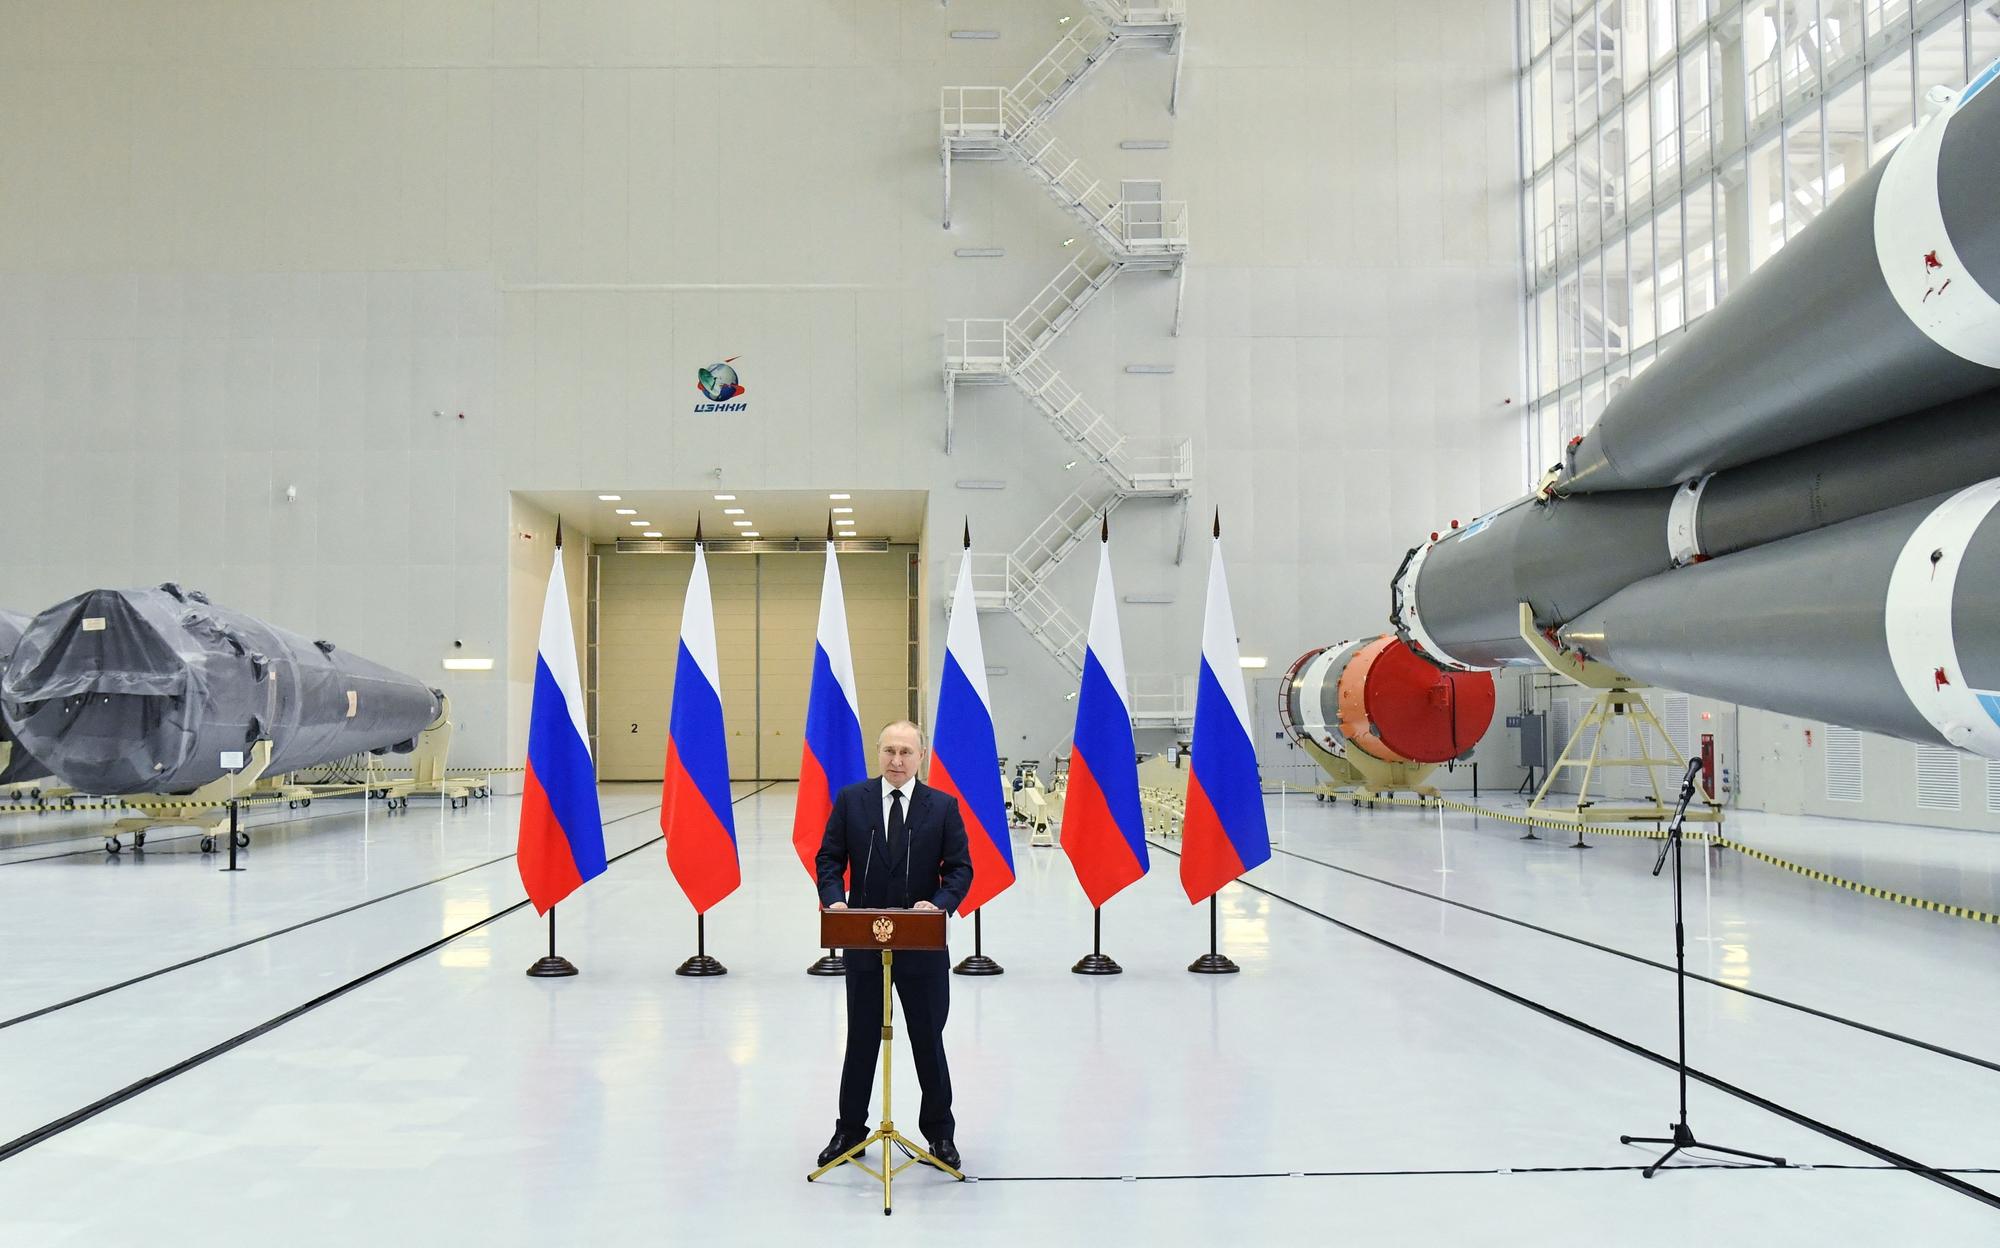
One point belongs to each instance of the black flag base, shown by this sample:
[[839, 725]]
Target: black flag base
[[828, 965], [552, 966], [978, 963], [701, 964], [1096, 962], [1212, 962]]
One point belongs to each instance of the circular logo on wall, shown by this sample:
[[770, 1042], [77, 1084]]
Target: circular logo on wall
[[719, 382]]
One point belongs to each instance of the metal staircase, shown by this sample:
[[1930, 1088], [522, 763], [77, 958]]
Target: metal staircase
[[1133, 229]]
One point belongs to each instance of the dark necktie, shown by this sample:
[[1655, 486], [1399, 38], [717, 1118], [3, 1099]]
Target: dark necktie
[[897, 836]]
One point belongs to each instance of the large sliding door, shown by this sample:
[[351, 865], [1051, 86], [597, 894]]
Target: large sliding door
[[766, 613]]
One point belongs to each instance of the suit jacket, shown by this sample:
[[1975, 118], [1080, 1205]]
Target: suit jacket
[[937, 866]]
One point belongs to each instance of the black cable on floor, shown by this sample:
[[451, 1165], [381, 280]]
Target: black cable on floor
[[75, 1118], [1858, 1025], [1895, 1159], [283, 931]]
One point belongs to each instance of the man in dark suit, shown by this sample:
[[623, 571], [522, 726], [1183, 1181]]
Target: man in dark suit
[[901, 845]]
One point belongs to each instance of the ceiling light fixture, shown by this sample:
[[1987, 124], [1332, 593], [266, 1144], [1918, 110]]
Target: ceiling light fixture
[[843, 511], [654, 533], [752, 533], [732, 511], [725, 498], [626, 511], [741, 524], [638, 524], [609, 498]]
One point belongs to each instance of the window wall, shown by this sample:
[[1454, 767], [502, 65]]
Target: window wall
[[1672, 146]]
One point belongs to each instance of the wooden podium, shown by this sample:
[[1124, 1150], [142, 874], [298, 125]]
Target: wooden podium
[[888, 931]]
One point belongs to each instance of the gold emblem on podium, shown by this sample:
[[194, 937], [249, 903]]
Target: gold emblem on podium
[[884, 928]]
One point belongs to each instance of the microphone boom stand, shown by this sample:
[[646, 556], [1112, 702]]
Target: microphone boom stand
[[1683, 1135]]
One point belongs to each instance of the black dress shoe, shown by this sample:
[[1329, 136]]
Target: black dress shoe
[[842, 1140], [946, 1152]]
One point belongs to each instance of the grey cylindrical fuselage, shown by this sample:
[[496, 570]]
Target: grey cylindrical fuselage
[[1564, 555], [1888, 623], [1883, 306], [21, 765], [153, 691]]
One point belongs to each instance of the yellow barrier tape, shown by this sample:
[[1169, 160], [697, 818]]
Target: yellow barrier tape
[[1810, 873]]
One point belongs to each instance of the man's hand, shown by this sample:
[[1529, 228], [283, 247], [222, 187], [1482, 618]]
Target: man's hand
[[838, 905], [923, 905]]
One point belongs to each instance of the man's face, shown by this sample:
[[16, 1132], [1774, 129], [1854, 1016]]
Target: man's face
[[899, 751]]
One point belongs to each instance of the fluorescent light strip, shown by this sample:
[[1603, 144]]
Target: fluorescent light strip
[[843, 511], [840, 498], [732, 511], [725, 498], [638, 524], [741, 524], [626, 511], [609, 498]]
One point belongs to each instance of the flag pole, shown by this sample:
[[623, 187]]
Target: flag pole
[[553, 966], [978, 963], [701, 964], [1213, 962], [1095, 962], [828, 965]]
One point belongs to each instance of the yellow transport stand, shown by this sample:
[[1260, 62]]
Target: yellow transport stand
[[1615, 700], [888, 931], [206, 809]]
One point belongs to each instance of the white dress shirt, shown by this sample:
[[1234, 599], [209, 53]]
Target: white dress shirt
[[909, 792]]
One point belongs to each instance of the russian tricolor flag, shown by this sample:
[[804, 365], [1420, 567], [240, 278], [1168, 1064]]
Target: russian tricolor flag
[[1223, 833], [562, 833], [965, 758], [834, 755], [695, 812], [1103, 832]]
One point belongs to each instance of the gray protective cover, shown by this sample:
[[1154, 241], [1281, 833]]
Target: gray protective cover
[[21, 765], [1811, 345], [1566, 555], [145, 690], [1797, 626]]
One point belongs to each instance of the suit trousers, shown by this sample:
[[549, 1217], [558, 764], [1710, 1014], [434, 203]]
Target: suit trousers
[[923, 987]]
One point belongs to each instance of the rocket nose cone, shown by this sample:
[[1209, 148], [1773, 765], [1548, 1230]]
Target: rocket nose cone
[[99, 694], [1588, 468]]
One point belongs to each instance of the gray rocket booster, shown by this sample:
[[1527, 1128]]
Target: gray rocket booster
[[1886, 305], [19, 766], [1456, 599], [147, 691], [1889, 623]]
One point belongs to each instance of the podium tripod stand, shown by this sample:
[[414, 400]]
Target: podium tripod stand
[[886, 931]]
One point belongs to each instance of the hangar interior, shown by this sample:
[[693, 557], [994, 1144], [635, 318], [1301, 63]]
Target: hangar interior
[[1590, 402]]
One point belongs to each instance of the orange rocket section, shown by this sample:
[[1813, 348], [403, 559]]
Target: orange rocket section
[[1400, 709]]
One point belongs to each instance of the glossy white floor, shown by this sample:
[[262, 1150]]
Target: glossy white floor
[[1374, 1097]]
